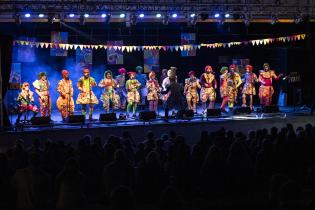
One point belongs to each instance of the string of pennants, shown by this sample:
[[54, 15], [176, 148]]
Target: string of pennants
[[257, 42]]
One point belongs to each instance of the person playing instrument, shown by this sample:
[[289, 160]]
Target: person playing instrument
[[142, 79], [234, 81], [224, 87], [153, 92], [109, 95], [133, 96], [191, 91], [121, 90], [266, 89], [249, 90], [65, 102], [25, 101], [86, 95], [208, 86], [42, 89]]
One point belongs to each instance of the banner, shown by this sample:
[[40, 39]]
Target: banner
[[115, 54], [15, 76], [151, 60], [83, 59], [58, 39], [188, 39]]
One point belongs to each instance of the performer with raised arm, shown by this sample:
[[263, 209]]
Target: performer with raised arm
[[25, 101], [142, 78], [86, 95], [65, 103], [109, 95], [42, 89], [224, 87], [266, 89], [153, 92], [191, 91], [208, 86], [249, 90], [133, 96], [121, 90], [234, 81]]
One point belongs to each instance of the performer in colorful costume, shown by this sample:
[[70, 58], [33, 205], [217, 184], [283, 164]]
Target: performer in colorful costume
[[65, 103], [153, 92], [25, 101], [208, 86], [133, 96], [224, 87], [42, 89], [142, 78], [234, 81], [266, 89], [109, 95], [86, 95], [121, 90], [249, 90], [191, 91]]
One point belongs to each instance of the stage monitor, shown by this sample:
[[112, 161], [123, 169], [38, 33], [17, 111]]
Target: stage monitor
[[76, 119], [213, 112], [108, 117], [147, 115], [270, 109], [242, 110], [40, 120]]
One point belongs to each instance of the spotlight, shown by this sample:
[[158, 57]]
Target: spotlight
[[192, 20], [166, 19], [274, 19], [122, 15], [174, 15], [17, 18], [27, 15], [86, 15], [82, 20], [103, 15], [217, 15], [41, 15], [141, 15], [192, 15], [71, 15], [107, 18], [227, 15], [204, 16], [158, 15]]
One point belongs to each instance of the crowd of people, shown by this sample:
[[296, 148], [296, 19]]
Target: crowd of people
[[263, 169], [125, 93]]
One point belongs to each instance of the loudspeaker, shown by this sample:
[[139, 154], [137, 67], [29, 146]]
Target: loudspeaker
[[185, 114], [270, 109], [76, 119], [40, 120], [242, 110], [147, 115], [108, 117], [213, 112]]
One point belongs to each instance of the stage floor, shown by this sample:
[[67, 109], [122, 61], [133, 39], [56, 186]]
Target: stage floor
[[191, 129]]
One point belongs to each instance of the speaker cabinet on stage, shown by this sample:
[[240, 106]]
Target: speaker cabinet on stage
[[40, 120], [185, 114], [270, 109], [242, 110], [76, 119], [147, 115], [213, 112], [108, 117]]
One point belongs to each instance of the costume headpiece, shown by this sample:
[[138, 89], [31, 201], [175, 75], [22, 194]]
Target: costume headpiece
[[223, 69], [208, 68], [139, 69], [41, 74], [131, 73], [232, 66], [108, 72], [64, 72], [152, 74], [250, 67], [191, 73], [122, 71], [24, 85], [86, 70], [266, 64]]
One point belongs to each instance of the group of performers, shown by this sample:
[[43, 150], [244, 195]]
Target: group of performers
[[126, 94]]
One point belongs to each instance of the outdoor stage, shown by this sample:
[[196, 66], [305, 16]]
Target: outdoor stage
[[191, 129]]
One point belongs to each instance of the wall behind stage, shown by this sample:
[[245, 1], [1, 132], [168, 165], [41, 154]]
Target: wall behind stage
[[152, 34]]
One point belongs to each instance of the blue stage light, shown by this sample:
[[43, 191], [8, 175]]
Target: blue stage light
[[227, 15], [86, 15], [122, 15], [27, 15], [41, 15], [103, 15], [192, 15], [174, 15], [141, 15], [71, 15], [158, 15], [217, 15]]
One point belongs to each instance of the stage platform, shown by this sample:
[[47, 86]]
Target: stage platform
[[191, 129]]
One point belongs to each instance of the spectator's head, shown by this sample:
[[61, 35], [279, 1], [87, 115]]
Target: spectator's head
[[122, 198], [152, 158], [170, 199], [120, 156], [71, 167]]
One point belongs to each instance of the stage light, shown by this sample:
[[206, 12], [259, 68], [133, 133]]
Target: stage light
[[107, 18], [158, 15], [174, 15], [71, 15], [41, 15], [122, 15], [217, 15], [86, 15], [141, 15], [192, 20], [103, 15], [27, 15], [192, 15], [227, 15]]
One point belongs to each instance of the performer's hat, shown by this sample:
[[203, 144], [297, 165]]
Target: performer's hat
[[64, 72], [266, 64], [191, 73], [232, 66], [208, 68], [122, 71], [86, 70], [139, 69], [41, 74], [108, 72], [131, 73], [223, 69], [250, 67], [24, 85], [151, 74]]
